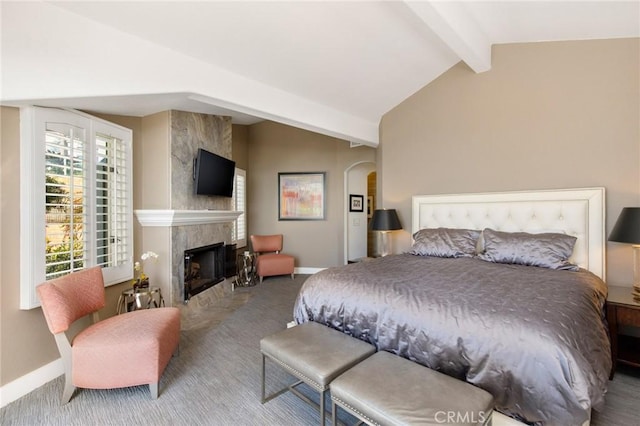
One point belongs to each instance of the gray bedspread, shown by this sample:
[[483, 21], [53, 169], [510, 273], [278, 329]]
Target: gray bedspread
[[533, 337]]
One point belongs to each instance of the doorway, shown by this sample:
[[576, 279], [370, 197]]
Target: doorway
[[360, 184]]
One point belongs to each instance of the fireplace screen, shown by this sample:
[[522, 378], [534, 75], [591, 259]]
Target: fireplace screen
[[203, 268]]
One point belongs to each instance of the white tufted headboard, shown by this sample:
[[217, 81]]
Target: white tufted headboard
[[577, 212]]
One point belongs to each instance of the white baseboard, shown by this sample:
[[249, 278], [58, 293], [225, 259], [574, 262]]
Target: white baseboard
[[305, 271], [30, 381]]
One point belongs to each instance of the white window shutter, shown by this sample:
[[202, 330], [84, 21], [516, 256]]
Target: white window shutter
[[75, 177], [240, 204]]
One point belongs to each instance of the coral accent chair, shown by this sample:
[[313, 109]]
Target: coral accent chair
[[270, 261], [125, 350]]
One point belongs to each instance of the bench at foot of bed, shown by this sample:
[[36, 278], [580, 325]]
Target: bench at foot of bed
[[386, 389]]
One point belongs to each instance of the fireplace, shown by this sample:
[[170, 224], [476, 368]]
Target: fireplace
[[204, 267]]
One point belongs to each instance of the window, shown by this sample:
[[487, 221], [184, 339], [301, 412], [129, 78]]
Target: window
[[239, 230], [76, 185]]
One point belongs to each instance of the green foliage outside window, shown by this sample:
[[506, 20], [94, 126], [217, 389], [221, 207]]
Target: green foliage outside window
[[67, 255], [55, 193], [59, 257]]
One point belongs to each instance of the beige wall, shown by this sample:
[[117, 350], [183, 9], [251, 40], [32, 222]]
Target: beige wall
[[547, 115], [240, 145], [277, 148]]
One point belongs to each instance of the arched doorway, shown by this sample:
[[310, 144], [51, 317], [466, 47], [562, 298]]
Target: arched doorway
[[357, 178]]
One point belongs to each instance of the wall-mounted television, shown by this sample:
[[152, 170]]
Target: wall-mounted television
[[213, 174]]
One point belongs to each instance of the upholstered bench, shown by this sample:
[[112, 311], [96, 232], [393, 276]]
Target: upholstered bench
[[315, 354], [386, 389]]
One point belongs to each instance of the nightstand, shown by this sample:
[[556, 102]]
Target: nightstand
[[623, 310]]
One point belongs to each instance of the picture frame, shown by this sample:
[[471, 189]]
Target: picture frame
[[356, 203], [301, 196], [369, 206]]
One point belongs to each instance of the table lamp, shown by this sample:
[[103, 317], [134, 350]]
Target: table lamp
[[627, 230], [384, 221]]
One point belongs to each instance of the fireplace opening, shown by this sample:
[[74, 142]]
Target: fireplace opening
[[204, 267]]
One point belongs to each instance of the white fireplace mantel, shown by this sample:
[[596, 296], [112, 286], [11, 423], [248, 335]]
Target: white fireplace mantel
[[184, 217]]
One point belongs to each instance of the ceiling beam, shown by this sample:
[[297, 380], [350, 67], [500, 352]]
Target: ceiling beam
[[452, 23]]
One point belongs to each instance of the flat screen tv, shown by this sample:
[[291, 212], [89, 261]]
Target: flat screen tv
[[213, 174]]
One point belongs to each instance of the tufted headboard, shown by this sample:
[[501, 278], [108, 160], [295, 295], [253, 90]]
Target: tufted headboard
[[577, 212]]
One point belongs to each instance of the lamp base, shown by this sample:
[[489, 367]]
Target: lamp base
[[636, 293], [384, 243], [636, 272]]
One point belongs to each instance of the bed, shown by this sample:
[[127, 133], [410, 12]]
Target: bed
[[533, 336]]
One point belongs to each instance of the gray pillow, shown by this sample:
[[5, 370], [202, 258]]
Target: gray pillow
[[445, 242], [547, 250]]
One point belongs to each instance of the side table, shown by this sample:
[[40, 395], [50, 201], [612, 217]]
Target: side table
[[623, 310], [140, 298], [246, 270]]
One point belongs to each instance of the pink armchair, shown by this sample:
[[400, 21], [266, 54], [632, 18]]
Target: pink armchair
[[125, 350], [270, 261]]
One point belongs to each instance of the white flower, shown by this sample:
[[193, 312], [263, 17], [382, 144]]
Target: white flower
[[138, 266], [148, 255]]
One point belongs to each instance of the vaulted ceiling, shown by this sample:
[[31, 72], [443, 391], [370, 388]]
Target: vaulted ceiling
[[332, 67]]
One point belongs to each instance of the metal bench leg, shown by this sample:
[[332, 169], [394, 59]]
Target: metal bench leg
[[263, 361], [334, 407], [322, 395], [291, 388], [264, 397]]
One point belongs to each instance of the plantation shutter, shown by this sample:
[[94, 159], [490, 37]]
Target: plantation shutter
[[66, 190], [113, 198], [240, 204]]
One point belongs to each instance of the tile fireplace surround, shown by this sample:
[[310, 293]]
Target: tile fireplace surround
[[182, 230]]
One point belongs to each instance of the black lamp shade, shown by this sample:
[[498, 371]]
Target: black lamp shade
[[627, 227], [385, 220]]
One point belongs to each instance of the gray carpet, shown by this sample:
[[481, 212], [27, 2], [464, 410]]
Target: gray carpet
[[215, 380]]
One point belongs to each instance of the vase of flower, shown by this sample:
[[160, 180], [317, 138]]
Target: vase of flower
[[140, 283], [141, 280]]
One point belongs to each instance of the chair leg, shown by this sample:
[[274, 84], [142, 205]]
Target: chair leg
[[65, 353], [261, 280], [292, 277], [153, 388]]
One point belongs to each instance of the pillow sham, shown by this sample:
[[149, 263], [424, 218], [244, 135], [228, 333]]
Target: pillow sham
[[445, 242], [547, 250]]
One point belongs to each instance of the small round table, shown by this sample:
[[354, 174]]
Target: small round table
[[246, 270], [140, 298]]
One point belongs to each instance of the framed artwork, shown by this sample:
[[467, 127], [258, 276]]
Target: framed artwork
[[356, 203], [370, 206], [301, 196]]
